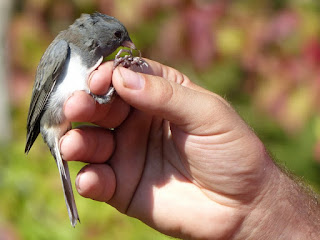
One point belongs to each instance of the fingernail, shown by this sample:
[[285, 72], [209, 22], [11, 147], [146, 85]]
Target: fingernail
[[131, 79], [78, 180], [61, 143], [65, 142], [91, 77], [95, 82]]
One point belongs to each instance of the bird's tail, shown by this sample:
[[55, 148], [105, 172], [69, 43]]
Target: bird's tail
[[66, 185]]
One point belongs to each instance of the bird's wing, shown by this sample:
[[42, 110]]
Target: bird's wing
[[48, 71]]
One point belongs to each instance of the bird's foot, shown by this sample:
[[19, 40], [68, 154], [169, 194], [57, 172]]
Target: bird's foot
[[128, 60], [104, 99]]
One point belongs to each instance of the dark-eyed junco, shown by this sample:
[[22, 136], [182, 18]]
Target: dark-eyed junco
[[63, 69]]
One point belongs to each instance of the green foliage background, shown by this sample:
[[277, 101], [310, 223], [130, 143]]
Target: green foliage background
[[262, 56]]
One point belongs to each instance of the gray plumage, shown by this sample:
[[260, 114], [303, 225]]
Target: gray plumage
[[63, 69]]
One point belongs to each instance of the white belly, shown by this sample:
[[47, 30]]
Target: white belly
[[73, 78]]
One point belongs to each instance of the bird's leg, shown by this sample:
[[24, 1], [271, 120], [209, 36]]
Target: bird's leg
[[104, 99], [126, 61], [122, 51]]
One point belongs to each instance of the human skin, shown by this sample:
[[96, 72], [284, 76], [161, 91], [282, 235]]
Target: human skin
[[181, 160]]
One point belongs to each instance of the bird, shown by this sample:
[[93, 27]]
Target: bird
[[63, 69]]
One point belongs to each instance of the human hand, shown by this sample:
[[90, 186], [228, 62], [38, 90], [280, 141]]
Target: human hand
[[179, 158]]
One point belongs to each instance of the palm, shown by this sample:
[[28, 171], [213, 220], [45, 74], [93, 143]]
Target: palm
[[162, 170]]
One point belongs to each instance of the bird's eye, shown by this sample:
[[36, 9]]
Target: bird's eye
[[118, 34]]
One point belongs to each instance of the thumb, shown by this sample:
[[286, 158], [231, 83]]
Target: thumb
[[188, 107]]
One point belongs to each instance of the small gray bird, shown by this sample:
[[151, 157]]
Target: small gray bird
[[63, 69]]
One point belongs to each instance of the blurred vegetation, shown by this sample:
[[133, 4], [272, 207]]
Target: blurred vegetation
[[262, 56]]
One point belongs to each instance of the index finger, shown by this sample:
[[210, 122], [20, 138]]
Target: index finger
[[100, 79], [81, 107]]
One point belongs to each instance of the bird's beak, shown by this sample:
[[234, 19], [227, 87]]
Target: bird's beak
[[128, 44]]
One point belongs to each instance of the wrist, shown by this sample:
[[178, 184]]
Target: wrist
[[284, 210]]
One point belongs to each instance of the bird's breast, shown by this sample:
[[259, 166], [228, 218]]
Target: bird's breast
[[74, 77]]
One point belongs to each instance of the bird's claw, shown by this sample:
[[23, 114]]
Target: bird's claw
[[128, 60]]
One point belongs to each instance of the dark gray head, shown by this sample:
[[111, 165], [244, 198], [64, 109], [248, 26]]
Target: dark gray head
[[103, 31]]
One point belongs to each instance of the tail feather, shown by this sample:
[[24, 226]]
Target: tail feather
[[66, 185]]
